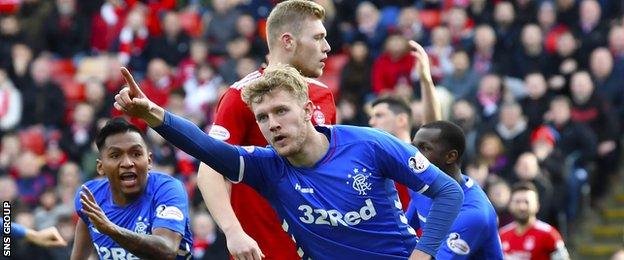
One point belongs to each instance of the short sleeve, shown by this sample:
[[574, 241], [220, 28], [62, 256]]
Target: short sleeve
[[172, 211], [78, 206], [402, 162]]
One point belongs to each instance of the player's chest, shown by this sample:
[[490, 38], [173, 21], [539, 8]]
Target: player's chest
[[530, 246], [138, 220]]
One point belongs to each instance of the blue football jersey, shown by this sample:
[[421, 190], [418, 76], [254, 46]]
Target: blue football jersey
[[163, 204], [347, 204], [474, 234]]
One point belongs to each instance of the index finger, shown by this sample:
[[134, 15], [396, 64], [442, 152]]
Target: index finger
[[132, 85], [417, 46], [88, 193]]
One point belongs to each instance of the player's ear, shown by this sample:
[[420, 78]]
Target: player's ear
[[99, 167], [149, 160], [451, 157], [308, 108], [288, 41]]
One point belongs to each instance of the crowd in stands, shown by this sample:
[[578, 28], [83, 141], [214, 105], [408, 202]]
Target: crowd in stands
[[536, 85]]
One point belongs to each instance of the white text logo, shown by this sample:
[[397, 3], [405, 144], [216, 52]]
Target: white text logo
[[333, 217]]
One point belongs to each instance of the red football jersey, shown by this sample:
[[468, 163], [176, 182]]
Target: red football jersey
[[539, 242], [236, 124]]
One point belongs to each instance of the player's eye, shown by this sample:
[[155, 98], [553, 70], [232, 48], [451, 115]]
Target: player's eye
[[114, 156], [262, 118], [281, 111]]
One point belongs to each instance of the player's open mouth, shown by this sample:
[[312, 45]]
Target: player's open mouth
[[129, 178], [278, 138]]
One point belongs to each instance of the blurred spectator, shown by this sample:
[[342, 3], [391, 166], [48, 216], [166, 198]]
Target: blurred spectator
[[18, 69], [537, 101], [53, 155], [393, 67], [459, 24], [589, 30], [563, 63], [49, 210], [132, 41], [208, 241], [198, 54], [159, 82], [10, 103], [462, 82], [410, 25], [237, 48], [480, 11], [244, 67], [491, 153], [11, 148], [221, 24], [608, 82], [79, 134], [98, 98], [488, 98], [569, 132], [107, 23], [69, 179], [173, 45], [369, 28], [247, 28], [513, 131], [592, 110], [33, 15], [484, 57], [46, 101], [507, 34], [616, 46], [530, 56], [440, 52], [527, 169], [499, 193], [66, 30], [31, 181], [8, 190], [66, 228], [551, 28], [10, 34], [201, 91], [355, 78]]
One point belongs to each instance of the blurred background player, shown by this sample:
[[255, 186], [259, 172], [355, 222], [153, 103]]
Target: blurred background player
[[528, 237]]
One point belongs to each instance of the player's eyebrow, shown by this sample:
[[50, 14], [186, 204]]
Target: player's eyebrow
[[115, 148]]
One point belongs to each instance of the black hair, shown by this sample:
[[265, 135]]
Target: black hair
[[451, 135], [396, 105], [523, 186], [115, 126]]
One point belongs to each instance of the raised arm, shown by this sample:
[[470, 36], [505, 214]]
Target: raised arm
[[215, 191], [432, 108], [162, 244], [222, 157]]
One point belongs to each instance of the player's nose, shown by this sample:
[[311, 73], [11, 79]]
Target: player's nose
[[273, 123], [126, 162]]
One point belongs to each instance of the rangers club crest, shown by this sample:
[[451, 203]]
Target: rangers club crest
[[360, 180]]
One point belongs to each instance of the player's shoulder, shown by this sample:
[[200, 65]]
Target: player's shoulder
[[316, 84], [242, 83], [508, 228], [353, 134], [98, 185], [543, 227], [158, 181]]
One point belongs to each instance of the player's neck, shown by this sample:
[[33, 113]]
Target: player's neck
[[277, 57], [404, 136], [314, 148], [120, 199], [522, 228]]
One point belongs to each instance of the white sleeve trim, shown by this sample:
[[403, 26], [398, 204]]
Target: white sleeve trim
[[241, 170], [423, 189]]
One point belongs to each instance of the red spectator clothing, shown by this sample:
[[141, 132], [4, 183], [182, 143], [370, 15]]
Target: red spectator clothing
[[159, 92], [131, 43], [387, 72], [107, 23], [236, 124], [541, 241]]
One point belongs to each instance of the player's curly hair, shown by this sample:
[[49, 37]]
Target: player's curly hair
[[288, 16], [280, 76]]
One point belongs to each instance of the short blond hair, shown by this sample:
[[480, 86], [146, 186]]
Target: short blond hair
[[288, 16], [280, 76]]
